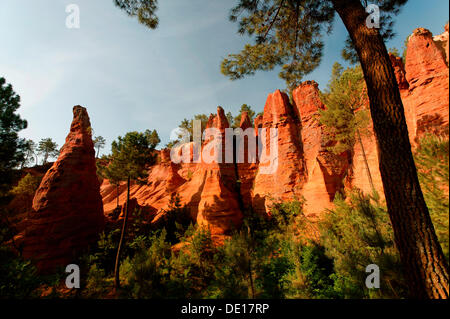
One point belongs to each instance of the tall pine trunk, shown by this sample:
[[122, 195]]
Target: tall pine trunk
[[122, 235], [425, 268]]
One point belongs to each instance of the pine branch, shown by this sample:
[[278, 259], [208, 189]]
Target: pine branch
[[273, 21]]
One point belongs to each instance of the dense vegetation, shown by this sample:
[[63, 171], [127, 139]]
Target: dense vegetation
[[266, 258], [284, 256]]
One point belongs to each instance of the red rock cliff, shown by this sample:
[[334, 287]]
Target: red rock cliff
[[305, 168], [67, 211]]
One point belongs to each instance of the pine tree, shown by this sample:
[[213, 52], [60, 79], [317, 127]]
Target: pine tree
[[99, 143], [30, 153], [230, 119], [355, 234], [188, 125], [25, 189], [345, 118], [130, 158], [11, 146], [288, 33], [47, 148], [153, 138]]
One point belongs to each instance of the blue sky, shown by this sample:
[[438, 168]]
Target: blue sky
[[131, 78]]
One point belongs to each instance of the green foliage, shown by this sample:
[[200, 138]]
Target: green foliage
[[405, 49], [175, 220], [259, 259], [286, 34], [18, 278], [358, 233], [266, 258], [112, 174], [188, 125], [394, 51], [105, 253], [131, 155], [27, 186], [153, 138], [149, 270], [432, 161], [388, 9], [317, 270], [232, 277], [11, 146], [25, 189], [285, 214], [144, 10], [230, 119], [344, 117], [29, 153], [47, 148], [289, 34], [272, 277], [97, 283]]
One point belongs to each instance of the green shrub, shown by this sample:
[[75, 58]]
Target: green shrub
[[318, 270], [18, 278], [355, 234], [432, 160], [149, 270]]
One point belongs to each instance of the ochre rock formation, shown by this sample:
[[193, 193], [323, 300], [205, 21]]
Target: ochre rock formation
[[218, 208], [67, 211], [208, 189], [423, 83], [218, 194], [325, 172], [283, 174], [426, 101], [400, 73]]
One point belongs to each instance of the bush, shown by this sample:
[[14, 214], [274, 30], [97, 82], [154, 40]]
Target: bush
[[149, 270], [234, 275], [358, 233], [24, 192], [318, 270], [18, 278], [432, 160], [175, 220]]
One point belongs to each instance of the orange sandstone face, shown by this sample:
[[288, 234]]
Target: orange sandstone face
[[306, 169]]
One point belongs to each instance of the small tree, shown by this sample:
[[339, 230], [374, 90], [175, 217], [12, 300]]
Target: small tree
[[189, 124], [30, 153], [11, 146], [47, 148], [25, 189], [355, 234], [130, 157], [345, 119], [230, 118], [99, 143], [153, 138]]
